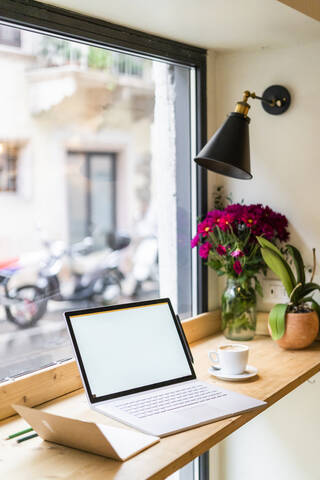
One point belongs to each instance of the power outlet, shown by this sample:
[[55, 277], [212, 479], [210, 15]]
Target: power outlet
[[274, 291]]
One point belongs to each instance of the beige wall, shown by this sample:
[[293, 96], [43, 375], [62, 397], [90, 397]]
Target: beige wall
[[285, 150], [285, 153]]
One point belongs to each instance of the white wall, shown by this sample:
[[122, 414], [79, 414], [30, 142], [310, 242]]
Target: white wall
[[285, 154], [280, 444]]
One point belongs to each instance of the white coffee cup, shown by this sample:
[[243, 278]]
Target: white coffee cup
[[231, 358]]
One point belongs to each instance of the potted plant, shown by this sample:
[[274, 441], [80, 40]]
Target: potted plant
[[295, 324], [226, 241]]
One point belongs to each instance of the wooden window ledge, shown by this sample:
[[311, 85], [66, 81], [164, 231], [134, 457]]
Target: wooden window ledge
[[53, 382], [280, 372]]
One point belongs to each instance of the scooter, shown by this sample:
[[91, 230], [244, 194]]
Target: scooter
[[25, 305], [96, 276], [96, 279]]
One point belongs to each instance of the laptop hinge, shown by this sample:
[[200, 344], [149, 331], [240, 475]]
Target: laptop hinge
[[185, 341]]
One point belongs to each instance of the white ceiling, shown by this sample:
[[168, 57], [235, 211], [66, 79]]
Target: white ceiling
[[216, 24]]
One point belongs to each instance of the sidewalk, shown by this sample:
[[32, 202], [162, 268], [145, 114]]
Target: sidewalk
[[23, 351]]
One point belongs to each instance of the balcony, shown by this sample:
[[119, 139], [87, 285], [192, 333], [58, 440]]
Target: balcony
[[61, 69]]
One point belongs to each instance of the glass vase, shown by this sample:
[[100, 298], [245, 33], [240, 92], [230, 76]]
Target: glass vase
[[239, 310]]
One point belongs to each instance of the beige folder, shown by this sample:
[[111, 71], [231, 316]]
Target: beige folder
[[112, 442]]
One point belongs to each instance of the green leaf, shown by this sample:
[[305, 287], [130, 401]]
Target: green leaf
[[280, 267], [265, 243], [215, 264], [302, 291], [307, 299], [247, 238], [258, 287], [298, 262], [316, 307], [277, 320]]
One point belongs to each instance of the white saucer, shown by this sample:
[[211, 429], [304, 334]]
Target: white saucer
[[249, 372]]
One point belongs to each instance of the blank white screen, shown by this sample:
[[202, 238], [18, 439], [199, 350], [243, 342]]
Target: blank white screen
[[129, 348]]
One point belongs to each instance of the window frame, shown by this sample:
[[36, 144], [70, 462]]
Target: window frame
[[60, 379]]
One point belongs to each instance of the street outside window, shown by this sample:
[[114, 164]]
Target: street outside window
[[95, 182]]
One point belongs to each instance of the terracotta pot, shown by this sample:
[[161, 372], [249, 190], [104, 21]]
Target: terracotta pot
[[301, 330]]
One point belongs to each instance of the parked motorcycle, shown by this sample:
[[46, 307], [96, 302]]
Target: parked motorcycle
[[96, 278], [96, 275], [24, 306]]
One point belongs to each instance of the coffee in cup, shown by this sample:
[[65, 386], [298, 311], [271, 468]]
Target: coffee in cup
[[231, 358], [231, 348]]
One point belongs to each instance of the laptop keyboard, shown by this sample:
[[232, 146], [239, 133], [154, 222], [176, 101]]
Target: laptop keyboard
[[170, 400]]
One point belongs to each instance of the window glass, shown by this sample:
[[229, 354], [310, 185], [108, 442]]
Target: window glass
[[95, 175], [8, 166]]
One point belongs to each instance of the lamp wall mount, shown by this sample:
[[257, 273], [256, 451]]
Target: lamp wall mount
[[279, 97], [275, 100]]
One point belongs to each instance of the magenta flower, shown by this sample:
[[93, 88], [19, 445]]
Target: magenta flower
[[249, 218], [226, 221], [221, 250], [215, 216], [233, 231], [237, 253], [237, 267], [235, 209], [283, 235], [205, 227], [267, 231], [204, 249], [195, 241]]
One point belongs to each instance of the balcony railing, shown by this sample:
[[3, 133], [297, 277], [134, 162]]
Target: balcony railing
[[54, 52]]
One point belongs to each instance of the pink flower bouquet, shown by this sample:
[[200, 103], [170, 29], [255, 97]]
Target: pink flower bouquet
[[226, 239]]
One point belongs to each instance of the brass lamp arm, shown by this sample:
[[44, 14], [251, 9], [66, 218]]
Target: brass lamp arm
[[269, 102], [277, 100]]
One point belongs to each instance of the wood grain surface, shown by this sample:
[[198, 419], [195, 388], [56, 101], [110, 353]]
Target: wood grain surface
[[280, 372]]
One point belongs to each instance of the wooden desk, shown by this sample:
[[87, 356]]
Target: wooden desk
[[279, 373]]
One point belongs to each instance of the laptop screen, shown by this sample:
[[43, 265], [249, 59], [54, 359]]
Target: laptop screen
[[128, 348]]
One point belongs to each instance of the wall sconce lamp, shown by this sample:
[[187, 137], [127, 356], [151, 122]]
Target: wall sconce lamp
[[228, 151]]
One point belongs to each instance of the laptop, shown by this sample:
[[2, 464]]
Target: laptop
[[136, 367]]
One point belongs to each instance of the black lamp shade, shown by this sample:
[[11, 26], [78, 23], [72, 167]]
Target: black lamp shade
[[228, 151]]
